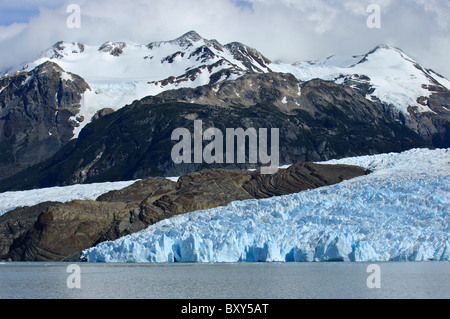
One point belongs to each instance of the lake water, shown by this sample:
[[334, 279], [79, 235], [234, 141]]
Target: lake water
[[398, 280]]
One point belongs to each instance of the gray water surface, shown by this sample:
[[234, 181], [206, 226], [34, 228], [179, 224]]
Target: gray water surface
[[399, 280]]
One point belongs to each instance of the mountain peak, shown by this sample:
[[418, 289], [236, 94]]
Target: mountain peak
[[191, 35], [384, 46], [113, 48], [187, 39], [379, 49], [47, 66], [61, 49]]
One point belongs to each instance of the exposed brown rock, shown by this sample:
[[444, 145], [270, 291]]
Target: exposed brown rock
[[137, 192], [102, 113]]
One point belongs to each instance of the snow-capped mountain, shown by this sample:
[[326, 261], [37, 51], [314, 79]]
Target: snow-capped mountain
[[318, 120], [119, 73], [385, 73]]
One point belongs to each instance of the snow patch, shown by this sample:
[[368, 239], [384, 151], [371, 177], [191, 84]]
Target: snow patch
[[66, 76], [25, 82], [13, 200]]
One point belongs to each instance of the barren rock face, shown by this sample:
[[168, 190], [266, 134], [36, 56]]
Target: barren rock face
[[299, 177], [137, 192], [35, 115], [60, 231], [56, 231]]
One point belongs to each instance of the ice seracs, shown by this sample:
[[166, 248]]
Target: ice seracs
[[399, 212]]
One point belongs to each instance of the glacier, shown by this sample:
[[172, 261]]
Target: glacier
[[399, 212]]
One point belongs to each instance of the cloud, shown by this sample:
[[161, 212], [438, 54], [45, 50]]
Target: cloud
[[11, 31], [291, 30]]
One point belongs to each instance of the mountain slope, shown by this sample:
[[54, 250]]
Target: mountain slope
[[330, 121], [419, 97], [386, 73], [206, 72], [36, 114]]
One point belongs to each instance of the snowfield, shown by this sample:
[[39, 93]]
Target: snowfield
[[399, 212], [13, 200]]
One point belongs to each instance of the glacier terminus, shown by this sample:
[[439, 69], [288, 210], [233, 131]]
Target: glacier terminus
[[400, 212]]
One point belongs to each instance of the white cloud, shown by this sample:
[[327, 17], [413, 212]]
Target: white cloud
[[292, 30], [11, 31], [441, 9]]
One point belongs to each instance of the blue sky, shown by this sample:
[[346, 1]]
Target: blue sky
[[245, 5], [17, 15], [20, 11], [289, 30]]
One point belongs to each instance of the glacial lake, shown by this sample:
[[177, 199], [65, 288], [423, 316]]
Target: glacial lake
[[398, 280]]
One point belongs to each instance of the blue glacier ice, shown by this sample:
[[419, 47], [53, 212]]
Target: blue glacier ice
[[400, 212]]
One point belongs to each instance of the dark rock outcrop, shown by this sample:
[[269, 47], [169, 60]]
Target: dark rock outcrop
[[61, 231], [35, 115]]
